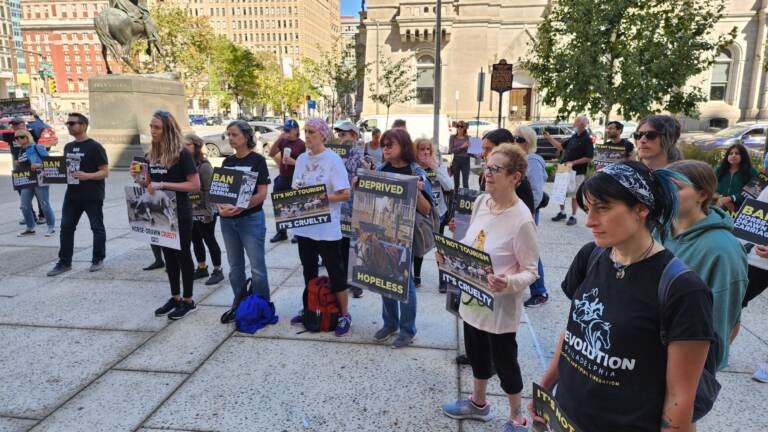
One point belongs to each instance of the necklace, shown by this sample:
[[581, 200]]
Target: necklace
[[492, 203], [621, 269]]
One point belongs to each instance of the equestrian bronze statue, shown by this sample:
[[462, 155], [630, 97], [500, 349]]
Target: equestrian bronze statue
[[121, 24]]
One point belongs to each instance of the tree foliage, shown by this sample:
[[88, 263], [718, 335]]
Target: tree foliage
[[238, 69], [394, 83], [637, 55], [335, 75]]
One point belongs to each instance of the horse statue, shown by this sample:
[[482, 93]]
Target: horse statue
[[121, 24]]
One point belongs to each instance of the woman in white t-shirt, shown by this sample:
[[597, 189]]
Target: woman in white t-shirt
[[501, 226], [319, 165]]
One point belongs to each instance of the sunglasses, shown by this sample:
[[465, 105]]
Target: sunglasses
[[651, 135], [387, 145], [518, 139], [492, 169], [72, 123], [162, 114], [20, 137]]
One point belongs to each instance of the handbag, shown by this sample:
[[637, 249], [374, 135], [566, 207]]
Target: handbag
[[424, 229], [544, 201]]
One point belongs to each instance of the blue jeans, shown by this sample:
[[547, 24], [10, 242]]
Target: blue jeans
[[246, 234], [538, 288], [28, 211], [402, 316]]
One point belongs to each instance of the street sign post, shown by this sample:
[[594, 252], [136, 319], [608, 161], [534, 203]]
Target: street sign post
[[480, 97], [501, 81]]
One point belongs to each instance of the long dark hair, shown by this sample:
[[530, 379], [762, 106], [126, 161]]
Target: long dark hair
[[400, 136], [198, 143], [745, 166]]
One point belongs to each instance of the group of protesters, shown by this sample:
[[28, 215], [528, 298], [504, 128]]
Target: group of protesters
[[655, 297]]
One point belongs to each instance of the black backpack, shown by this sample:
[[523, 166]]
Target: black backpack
[[709, 388]]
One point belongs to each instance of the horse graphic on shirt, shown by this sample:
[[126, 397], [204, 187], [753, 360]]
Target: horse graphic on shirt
[[588, 313]]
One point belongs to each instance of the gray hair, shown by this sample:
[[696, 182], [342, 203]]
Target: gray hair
[[669, 128], [584, 120]]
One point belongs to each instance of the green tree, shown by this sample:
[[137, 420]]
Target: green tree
[[237, 69], [394, 83], [335, 75], [637, 55]]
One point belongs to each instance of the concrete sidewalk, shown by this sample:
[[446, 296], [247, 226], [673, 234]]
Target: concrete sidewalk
[[84, 352]]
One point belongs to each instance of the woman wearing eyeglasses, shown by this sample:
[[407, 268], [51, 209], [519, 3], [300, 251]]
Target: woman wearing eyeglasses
[[172, 169], [656, 140], [503, 227], [245, 229], [458, 146], [32, 155]]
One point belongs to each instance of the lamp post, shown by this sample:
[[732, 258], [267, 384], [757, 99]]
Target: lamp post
[[438, 76]]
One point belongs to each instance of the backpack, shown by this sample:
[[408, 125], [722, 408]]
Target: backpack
[[322, 310], [708, 388], [253, 311], [425, 227]]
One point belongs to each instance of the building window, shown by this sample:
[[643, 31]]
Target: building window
[[425, 80], [721, 70]]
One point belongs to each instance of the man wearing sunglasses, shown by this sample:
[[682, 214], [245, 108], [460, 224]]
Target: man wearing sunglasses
[[86, 197], [578, 152]]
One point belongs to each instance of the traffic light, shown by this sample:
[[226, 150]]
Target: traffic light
[[52, 86]]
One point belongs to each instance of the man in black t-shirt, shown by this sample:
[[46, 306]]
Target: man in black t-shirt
[[87, 196], [578, 152], [615, 149]]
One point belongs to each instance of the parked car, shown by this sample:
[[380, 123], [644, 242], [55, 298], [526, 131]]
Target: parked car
[[626, 133], [751, 135], [217, 145], [47, 137], [214, 120], [197, 119], [558, 131], [478, 127]]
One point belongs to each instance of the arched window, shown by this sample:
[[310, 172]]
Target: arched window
[[721, 70], [425, 80]]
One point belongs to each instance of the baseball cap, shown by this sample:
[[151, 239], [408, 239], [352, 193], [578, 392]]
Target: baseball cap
[[16, 120], [290, 124], [346, 126]]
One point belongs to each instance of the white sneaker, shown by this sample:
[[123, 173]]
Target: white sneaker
[[761, 374], [50, 233]]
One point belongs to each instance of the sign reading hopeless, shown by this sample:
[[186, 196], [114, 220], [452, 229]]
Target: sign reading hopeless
[[301, 207], [751, 222], [464, 269]]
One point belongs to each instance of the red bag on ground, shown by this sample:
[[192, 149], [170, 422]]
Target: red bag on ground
[[322, 310]]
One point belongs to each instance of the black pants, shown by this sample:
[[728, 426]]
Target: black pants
[[345, 242], [157, 251], [71, 212], [417, 261], [179, 262], [758, 281], [488, 351], [460, 166], [330, 252], [204, 234], [282, 183]]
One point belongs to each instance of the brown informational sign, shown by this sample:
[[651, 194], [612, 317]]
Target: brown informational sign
[[501, 77]]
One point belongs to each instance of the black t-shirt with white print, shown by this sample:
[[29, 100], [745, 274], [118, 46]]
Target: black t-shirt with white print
[[177, 173], [612, 369], [92, 156], [253, 162]]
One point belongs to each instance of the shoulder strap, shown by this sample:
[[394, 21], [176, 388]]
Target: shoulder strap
[[672, 271], [596, 253]]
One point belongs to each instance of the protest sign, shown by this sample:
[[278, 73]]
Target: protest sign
[[462, 204], [609, 153], [232, 186], [54, 170], [140, 169], [547, 408], [153, 217], [475, 146], [751, 222], [15, 107], [565, 180], [301, 207], [755, 186], [24, 177], [73, 165], [464, 268], [383, 219], [341, 149]]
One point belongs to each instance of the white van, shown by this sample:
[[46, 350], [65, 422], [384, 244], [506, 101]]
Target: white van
[[418, 125]]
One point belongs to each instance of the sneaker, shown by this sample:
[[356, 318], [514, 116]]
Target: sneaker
[[26, 232], [343, 325], [155, 265], [294, 240], [356, 291], [200, 272], [402, 340], [280, 236], [96, 266], [536, 300], [417, 281], [167, 307], [298, 319], [466, 410], [761, 374], [442, 289], [571, 221], [22, 222], [40, 220], [384, 333], [183, 308], [216, 277], [58, 269], [560, 216], [511, 426], [228, 316], [51, 232], [462, 359]]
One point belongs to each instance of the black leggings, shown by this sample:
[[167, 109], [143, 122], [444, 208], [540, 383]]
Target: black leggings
[[487, 351], [330, 251], [204, 234], [157, 251], [179, 262], [758, 281], [417, 261], [460, 167]]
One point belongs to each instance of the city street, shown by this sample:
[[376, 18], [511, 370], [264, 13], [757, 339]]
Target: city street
[[84, 351]]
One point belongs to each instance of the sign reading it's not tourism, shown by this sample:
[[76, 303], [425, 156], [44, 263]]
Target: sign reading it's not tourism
[[465, 269], [301, 207]]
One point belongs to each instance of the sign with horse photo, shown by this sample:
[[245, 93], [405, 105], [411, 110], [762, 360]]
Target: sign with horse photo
[[301, 207], [383, 219], [232, 186], [153, 217], [464, 269]]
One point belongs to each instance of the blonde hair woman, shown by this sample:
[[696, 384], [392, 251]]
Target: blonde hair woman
[[171, 168]]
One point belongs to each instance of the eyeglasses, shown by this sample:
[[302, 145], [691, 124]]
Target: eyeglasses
[[387, 145], [72, 123], [492, 169], [651, 135], [518, 139]]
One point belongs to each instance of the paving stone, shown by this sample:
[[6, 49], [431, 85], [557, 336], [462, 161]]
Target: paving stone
[[68, 359], [118, 401], [183, 345], [747, 353], [223, 295], [500, 411], [21, 259], [15, 425], [740, 407], [235, 389]]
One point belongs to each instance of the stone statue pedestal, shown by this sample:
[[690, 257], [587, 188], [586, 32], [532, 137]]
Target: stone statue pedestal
[[121, 107]]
